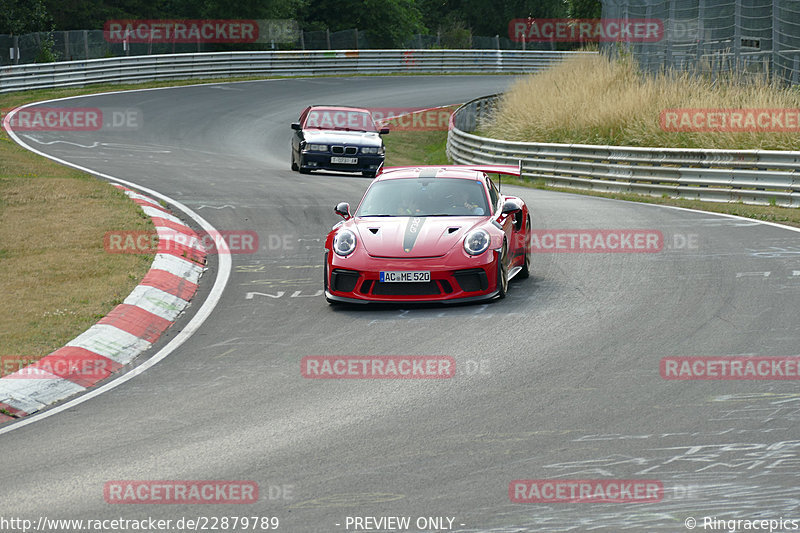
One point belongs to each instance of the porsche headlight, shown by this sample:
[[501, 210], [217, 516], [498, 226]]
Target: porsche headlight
[[476, 242], [370, 150], [317, 147], [344, 242]]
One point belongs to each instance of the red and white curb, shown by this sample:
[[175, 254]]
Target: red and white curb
[[129, 329]]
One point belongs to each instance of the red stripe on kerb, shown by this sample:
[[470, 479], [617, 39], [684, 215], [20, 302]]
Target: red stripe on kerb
[[180, 250], [154, 205], [78, 365], [176, 226], [136, 321], [14, 411], [170, 283]]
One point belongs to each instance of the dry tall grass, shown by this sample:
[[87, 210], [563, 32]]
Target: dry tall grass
[[595, 100]]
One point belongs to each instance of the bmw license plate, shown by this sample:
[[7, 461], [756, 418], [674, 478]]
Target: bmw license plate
[[405, 276], [344, 160]]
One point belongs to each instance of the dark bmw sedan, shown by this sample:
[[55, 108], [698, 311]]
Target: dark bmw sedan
[[337, 138]]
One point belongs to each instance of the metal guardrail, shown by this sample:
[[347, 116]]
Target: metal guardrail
[[749, 176], [273, 63]]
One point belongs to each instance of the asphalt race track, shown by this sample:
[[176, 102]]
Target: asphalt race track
[[560, 380]]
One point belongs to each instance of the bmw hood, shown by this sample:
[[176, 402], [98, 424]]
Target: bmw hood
[[352, 138], [403, 237]]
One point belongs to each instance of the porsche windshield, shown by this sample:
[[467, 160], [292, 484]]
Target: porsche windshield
[[339, 119], [425, 198]]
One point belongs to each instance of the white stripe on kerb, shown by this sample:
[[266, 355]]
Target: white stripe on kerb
[[179, 267], [30, 395], [111, 342], [156, 301]]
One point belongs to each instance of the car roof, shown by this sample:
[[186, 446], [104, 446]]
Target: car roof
[[338, 108], [428, 172]]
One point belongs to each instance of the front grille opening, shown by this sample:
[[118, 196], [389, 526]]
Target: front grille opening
[[473, 279], [417, 288], [344, 280], [446, 287], [351, 150], [338, 150], [366, 286]]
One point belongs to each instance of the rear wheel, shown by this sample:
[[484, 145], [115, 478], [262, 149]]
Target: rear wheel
[[526, 266]]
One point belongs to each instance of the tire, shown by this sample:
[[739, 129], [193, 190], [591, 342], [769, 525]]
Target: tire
[[502, 275], [325, 282], [525, 273], [294, 165]]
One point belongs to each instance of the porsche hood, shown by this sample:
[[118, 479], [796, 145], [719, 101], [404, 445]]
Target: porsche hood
[[404, 237]]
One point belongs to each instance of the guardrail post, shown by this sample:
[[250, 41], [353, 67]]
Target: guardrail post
[[15, 47], [737, 34], [328, 37], [66, 46], [775, 38], [701, 13], [356, 46], [86, 43]]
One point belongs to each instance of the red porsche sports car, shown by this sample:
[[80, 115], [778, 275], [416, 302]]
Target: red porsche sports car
[[429, 234]]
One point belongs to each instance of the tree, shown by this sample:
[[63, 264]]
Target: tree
[[486, 17], [387, 23], [584, 9], [24, 16]]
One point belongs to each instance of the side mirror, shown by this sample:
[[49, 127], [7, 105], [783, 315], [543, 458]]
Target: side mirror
[[296, 126], [384, 131], [343, 210], [510, 206]]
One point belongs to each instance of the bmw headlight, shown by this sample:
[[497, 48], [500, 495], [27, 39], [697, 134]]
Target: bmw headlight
[[476, 242], [317, 147], [370, 150], [344, 242]]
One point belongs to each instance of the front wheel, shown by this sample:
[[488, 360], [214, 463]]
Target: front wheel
[[502, 275]]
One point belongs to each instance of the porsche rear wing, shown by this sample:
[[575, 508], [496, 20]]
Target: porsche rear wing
[[508, 170]]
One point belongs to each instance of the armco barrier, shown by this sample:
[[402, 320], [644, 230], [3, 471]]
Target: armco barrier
[[749, 176], [273, 63]]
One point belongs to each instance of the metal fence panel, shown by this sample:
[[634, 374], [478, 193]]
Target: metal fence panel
[[716, 36]]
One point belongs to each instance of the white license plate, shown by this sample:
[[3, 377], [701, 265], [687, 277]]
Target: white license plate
[[344, 160], [405, 277]]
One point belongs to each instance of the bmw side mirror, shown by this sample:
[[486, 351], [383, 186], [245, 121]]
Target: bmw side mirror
[[510, 206], [343, 210], [296, 126], [384, 131]]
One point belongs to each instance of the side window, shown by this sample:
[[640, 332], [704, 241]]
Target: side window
[[494, 195]]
